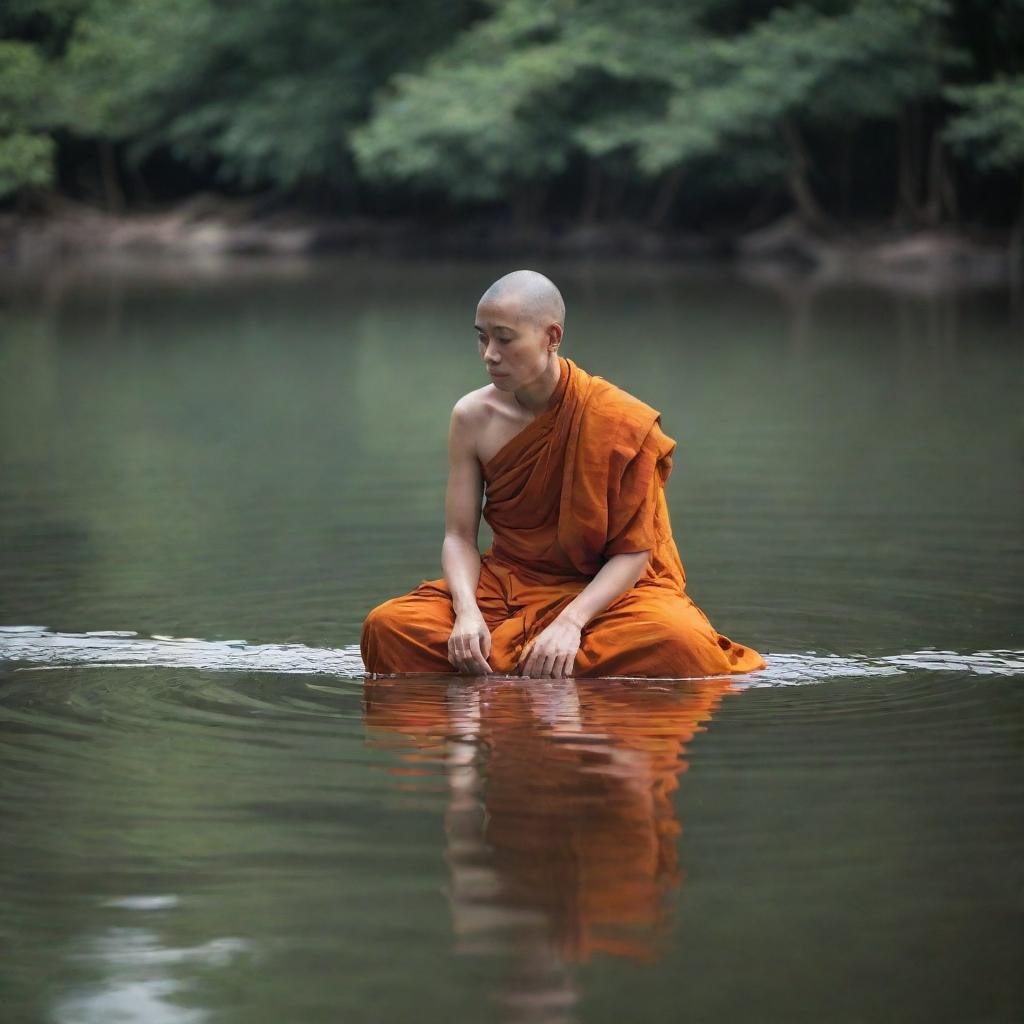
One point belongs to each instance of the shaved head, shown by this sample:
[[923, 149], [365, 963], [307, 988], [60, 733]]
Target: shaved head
[[533, 296]]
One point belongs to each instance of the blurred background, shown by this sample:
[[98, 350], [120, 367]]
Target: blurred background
[[570, 125]]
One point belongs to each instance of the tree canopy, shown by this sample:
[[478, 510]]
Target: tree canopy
[[587, 107]]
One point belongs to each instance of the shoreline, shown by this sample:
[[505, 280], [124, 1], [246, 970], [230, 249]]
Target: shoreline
[[214, 229]]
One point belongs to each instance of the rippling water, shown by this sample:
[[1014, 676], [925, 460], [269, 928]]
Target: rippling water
[[195, 845], [208, 815], [27, 645]]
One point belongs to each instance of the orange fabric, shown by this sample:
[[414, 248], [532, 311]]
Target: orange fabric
[[560, 798], [581, 482]]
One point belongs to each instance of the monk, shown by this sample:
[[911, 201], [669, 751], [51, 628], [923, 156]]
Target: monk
[[583, 577]]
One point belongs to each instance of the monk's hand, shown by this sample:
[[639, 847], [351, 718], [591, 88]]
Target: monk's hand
[[469, 646], [552, 652]]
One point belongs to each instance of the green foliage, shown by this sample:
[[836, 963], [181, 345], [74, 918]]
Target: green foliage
[[484, 114], [518, 94], [23, 92], [476, 100], [277, 87], [989, 130], [45, 22], [26, 161], [864, 62], [265, 93], [26, 149], [127, 65], [504, 102]]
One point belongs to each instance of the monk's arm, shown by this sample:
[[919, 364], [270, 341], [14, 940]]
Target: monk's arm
[[460, 553], [615, 577], [553, 652], [470, 642]]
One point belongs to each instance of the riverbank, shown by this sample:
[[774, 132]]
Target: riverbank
[[215, 229]]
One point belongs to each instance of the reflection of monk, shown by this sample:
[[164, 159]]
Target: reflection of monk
[[561, 826], [583, 578]]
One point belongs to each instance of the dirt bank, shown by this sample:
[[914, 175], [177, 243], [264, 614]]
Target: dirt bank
[[212, 228]]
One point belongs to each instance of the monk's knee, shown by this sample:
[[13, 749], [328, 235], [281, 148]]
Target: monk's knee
[[408, 633], [388, 612], [709, 653], [378, 627], [376, 620], [683, 649]]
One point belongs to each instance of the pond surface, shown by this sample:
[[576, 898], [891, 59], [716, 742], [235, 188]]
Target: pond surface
[[207, 478]]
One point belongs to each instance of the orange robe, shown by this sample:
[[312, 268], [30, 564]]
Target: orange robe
[[583, 481]]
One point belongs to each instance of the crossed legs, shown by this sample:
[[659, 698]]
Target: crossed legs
[[647, 631]]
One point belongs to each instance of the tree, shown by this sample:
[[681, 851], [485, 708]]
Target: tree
[[273, 89], [26, 147], [30, 41], [521, 93], [989, 131]]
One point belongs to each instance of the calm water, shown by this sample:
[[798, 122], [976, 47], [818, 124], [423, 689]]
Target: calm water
[[207, 479]]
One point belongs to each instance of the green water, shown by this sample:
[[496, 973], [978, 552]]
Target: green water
[[259, 454]]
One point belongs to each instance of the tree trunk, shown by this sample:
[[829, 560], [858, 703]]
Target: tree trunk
[[615, 189], [908, 201], [528, 202], [1017, 247], [593, 180], [846, 150], [797, 177], [113, 194], [140, 188], [942, 199], [665, 199]]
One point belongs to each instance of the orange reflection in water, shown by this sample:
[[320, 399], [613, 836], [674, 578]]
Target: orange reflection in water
[[560, 822]]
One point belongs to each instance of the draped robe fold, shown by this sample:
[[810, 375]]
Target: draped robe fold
[[583, 481]]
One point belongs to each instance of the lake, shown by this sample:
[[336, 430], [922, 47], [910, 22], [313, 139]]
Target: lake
[[208, 475]]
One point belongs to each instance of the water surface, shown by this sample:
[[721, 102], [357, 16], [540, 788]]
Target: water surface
[[207, 477]]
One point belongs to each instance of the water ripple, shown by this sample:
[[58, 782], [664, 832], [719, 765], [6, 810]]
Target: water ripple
[[38, 646]]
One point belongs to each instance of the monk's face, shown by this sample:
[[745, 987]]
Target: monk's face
[[515, 348]]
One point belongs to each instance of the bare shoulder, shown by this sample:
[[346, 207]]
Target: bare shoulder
[[472, 411], [472, 403], [471, 415], [483, 421]]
